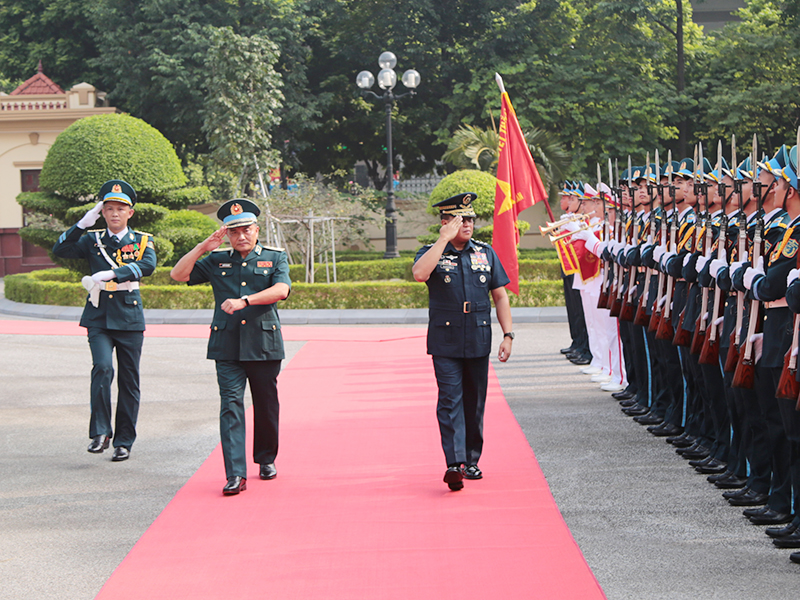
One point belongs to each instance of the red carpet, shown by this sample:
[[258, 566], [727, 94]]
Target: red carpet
[[358, 510]]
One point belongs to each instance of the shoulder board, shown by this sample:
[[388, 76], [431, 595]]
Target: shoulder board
[[222, 250], [479, 243], [95, 231], [142, 232], [274, 248]]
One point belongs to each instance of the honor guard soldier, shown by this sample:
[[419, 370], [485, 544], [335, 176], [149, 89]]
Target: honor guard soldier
[[461, 273], [248, 280], [118, 259]]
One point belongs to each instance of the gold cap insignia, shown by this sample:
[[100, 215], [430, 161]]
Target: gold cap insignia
[[117, 188], [236, 209]]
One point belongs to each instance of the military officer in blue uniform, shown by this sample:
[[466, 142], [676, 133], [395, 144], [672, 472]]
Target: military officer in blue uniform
[[461, 273], [248, 280], [118, 259]]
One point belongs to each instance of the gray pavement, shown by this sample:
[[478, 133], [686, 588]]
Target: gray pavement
[[648, 525]]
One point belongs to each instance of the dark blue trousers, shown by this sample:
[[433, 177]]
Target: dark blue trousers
[[128, 345], [232, 377], [462, 398]]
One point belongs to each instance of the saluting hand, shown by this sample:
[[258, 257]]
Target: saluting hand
[[450, 229], [213, 241]]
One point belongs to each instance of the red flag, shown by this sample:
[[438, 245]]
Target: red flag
[[518, 187]]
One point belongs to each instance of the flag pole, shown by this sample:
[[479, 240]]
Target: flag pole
[[499, 81]]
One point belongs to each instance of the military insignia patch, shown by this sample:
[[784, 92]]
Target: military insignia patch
[[225, 265], [117, 188], [483, 278], [236, 209], [791, 249], [264, 263], [447, 279]]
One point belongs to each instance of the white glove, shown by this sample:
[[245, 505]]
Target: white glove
[[792, 276], [90, 218], [93, 289], [701, 262], [571, 226], [686, 259], [103, 276], [582, 235], [705, 317], [753, 272], [735, 266], [794, 351], [600, 247], [716, 266], [757, 340], [665, 258], [719, 321], [659, 252], [629, 247], [663, 301]]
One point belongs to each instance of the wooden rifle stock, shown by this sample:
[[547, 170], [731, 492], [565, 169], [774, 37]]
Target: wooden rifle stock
[[698, 337], [641, 317], [733, 355], [683, 337], [709, 353], [745, 374]]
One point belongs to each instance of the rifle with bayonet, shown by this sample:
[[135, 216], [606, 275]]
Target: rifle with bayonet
[[665, 330], [744, 375], [702, 321], [616, 305], [602, 301], [683, 337], [735, 339], [629, 308], [655, 314], [709, 354]]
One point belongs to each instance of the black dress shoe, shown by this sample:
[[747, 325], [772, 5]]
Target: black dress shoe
[[754, 512], [581, 360], [778, 532], [235, 485], [665, 429], [628, 403], [683, 440], [694, 452], [751, 498], [795, 557], [623, 395], [731, 482], [715, 477], [453, 477], [567, 350], [701, 461], [771, 517], [268, 471], [98, 444], [649, 419], [737, 493], [713, 466], [636, 411], [121, 453], [472, 472], [788, 541]]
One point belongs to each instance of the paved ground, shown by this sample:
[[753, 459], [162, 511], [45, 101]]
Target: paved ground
[[648, 526]]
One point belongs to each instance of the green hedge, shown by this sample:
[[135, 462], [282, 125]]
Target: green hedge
[[61, 287]]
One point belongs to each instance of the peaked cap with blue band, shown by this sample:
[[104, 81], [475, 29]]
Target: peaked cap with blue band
[[238, 213], [685, 168], [117, 190], [776, 164], [717, 177]]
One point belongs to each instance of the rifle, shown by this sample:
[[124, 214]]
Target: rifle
[[602, 301], [655, 313], [628, 309], [744, 375], [788, 386], [710, 352], [616, 305], [683, 337], [665, 330], [735, 340], [700, 325]]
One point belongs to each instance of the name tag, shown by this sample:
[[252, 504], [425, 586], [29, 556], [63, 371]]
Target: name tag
[[264, 263], [225, 265]]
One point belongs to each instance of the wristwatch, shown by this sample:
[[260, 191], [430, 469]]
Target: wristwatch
[[246, 300], [510, 334]]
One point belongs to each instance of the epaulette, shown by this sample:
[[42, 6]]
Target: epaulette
[[781, 221], [480, 243], [274, 248], [142, 232], [96, 230], [222, 250]]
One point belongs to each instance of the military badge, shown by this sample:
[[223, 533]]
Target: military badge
[[483, 278], [447, 279], [479, 261], [236, 209], [791, 249], [117, 188], [264, 264], [225, 265]]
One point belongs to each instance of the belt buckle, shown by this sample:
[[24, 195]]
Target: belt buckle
[[467, 307], [111, 286]]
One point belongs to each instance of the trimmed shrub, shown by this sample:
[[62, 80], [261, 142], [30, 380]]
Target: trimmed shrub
[[468, 180], [111, 146]]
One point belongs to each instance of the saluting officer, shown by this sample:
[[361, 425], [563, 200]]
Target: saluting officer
[[461, 273], [118, 258], [248, 280]]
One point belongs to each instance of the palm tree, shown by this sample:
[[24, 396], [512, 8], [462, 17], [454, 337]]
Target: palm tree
[[475, 148]]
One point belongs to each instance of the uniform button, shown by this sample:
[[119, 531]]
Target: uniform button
[[111, 295], [447, 323], [244, 322], [274, 328], [215, 328], [244, 264], [135, 302], [244, 283], [223, 272]]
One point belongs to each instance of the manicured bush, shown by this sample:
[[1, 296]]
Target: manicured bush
[[468, 180], [111, 146]]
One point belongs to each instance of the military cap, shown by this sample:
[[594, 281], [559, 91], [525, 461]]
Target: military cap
[[790, 170], [589, 193], [776, 164], [624, 175], [672, 167], [238, 213], [715, 176], [704, 168], [685, 168], [567, 189], [459, 205], [117, 190], [579, 190], [637, 173], [745, 169]]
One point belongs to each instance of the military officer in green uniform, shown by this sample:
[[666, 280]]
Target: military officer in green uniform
[[118, 258], [460, 274], [248, 280]]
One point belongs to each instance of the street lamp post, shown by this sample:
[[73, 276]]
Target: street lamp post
[[387, 79]]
